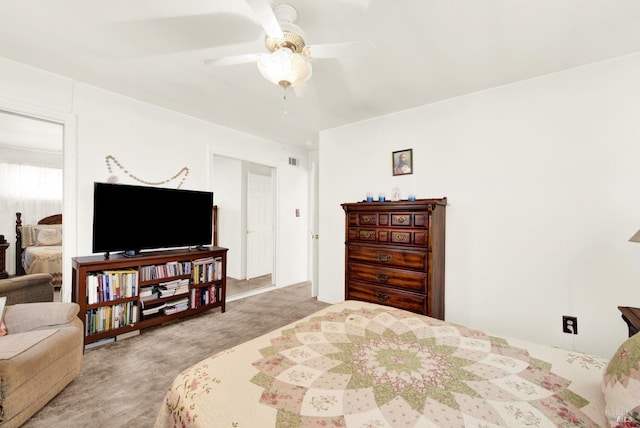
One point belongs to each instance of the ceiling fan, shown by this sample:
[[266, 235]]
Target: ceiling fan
[[287, 62]]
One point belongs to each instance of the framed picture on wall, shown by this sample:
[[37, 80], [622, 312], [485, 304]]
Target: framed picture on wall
[[402, 162]]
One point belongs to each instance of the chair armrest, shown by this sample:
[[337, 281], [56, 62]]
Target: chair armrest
[[34, 316], [27, 288]]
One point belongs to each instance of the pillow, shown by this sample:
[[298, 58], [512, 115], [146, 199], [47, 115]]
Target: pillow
[[621, 385], [41, 235], [48, 235], [28, 238]]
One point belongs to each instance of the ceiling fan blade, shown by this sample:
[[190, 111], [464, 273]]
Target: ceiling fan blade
[[264, 13], [232, 60], [339, 50]]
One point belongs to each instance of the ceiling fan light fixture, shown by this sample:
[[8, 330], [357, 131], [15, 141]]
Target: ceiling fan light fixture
[[284, 68]]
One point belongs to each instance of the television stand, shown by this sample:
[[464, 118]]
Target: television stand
[[135, 295]]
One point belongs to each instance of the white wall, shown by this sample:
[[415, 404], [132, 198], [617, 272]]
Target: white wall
[[151, 143], [228, 195], [292, 191], [542, 182]]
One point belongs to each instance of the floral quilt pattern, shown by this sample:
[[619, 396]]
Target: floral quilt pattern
[[388, 368]]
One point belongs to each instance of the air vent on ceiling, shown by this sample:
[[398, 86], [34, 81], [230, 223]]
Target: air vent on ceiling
[[293, 161]]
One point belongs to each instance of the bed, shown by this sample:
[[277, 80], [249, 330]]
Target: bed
[[358, 364], [39, 247]]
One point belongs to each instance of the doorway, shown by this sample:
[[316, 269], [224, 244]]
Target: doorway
[[243, 192], [64, 147], [259, 225], [31, 163]]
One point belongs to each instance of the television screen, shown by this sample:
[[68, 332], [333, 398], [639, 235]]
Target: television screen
[[131, 218]]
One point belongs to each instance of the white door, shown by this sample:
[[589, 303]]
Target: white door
[[259, 225]]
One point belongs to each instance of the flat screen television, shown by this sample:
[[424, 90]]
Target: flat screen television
[[132, 218]]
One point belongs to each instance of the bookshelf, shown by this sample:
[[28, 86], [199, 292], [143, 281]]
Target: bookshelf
[[120, 295]]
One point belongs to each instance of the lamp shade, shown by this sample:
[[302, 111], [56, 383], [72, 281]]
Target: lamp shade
[[284, 68], [635, 237]]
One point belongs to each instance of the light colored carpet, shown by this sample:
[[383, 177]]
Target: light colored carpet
[[240, 286], [122, 384]]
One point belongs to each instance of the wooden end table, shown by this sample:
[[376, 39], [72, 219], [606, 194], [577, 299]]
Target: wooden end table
[[631, 316], [3, 260]]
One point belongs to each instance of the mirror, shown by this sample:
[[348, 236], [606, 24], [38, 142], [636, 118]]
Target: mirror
[[244, 196]]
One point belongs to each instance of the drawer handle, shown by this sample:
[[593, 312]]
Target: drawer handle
[[382, 277], [401, 236], [382, 297], [401, 219], [367, 219], [383, 257], [367, 234]]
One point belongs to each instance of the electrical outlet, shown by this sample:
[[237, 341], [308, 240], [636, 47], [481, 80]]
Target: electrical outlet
[[569, 324]]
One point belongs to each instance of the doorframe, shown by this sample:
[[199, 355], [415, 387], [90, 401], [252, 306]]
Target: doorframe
[[314, 237], [69, 178]]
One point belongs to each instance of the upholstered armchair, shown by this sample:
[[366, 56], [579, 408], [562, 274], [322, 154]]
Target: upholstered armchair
[[41, 353], [27, 288]]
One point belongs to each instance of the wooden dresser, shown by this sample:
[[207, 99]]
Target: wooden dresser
[[394, 254]]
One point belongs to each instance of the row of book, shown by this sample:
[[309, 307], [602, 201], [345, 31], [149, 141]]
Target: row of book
[[111, 285], [176, 306], [206, 270], [204, 296], [110, 317], [151, 309], [115, 316], [175, 287], [176, 268]]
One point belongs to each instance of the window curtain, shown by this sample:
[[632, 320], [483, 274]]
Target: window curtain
[[34, 191]]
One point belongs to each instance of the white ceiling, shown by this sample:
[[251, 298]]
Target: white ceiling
[[426, 50]]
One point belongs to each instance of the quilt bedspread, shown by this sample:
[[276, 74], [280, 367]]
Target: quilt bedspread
[[356, 364], [48, 259]]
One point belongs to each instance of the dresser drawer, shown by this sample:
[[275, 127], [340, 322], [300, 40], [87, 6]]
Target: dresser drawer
[[369, 219], [419, 219], [388, 257], [390, 236], [414, 219], [387, 296], [389, 277]]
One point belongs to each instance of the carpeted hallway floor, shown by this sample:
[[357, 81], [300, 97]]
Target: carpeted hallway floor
[[241, 286], [122, 384]]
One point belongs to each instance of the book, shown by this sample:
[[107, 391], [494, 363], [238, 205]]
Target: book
[[147, 311], [128, 335], [145, 292], [176, 306], [3, 302], [99, 343], [3, 327]]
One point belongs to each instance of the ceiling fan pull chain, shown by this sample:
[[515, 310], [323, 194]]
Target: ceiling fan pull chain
[[284, 98]]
